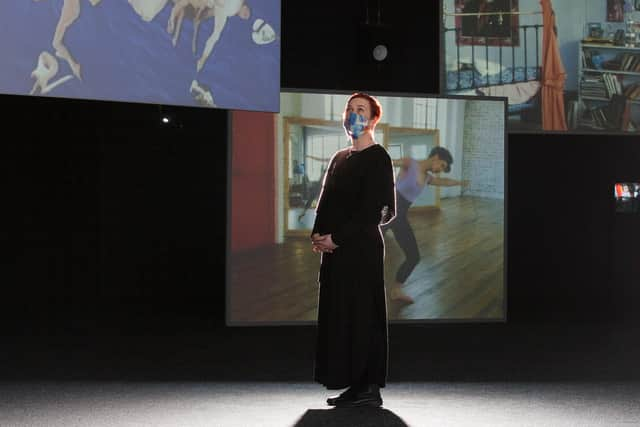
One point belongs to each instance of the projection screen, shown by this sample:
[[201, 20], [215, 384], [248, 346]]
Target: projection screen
[[277, 165], [209, 53]]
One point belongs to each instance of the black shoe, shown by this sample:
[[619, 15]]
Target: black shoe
[[367, 397], [341, 398]]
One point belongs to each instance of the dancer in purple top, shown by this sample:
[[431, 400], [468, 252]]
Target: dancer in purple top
[[414, 176]]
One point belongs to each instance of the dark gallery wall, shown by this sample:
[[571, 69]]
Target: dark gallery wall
[[561, 225], [625, 235], [328, 45], [111, 217], [109, 211]]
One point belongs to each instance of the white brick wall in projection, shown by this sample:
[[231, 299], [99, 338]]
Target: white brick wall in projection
[[483, 149]]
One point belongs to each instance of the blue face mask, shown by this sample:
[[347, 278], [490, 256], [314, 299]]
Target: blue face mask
[[355, 124]]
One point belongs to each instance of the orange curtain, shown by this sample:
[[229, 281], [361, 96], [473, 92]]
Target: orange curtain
[[553, 73]]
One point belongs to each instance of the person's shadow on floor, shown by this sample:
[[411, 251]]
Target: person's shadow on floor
[[350, 417]]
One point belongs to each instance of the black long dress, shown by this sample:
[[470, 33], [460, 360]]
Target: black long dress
[[358, 195]]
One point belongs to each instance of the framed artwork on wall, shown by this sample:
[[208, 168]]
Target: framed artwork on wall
[[491, 26], [615, 10]]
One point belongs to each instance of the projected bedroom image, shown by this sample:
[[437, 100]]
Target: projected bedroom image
[[206, 53], [587, 50], [444, 250]]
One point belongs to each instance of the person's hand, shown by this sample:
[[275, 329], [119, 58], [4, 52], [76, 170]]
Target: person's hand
[[329, 241], [314, 247], [323, 243]]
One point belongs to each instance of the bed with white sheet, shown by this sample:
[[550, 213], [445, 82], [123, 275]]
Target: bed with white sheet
[[477, 76]]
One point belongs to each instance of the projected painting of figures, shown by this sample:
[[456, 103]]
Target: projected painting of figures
[[455, 271], [214, 53]]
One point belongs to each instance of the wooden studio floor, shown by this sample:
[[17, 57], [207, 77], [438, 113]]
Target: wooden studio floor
[[460, 274]]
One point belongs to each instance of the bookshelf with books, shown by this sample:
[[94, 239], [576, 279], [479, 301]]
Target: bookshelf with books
[[608, 87]]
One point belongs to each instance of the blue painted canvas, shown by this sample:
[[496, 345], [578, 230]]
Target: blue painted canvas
[[122, 50]]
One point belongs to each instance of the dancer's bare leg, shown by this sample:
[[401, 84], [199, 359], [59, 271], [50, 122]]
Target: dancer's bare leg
[[220, 20], [70, 12], [178, 9], [176, 33], [397, 294], [200, 16]]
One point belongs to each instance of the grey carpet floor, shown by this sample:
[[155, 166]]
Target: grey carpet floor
[[76, 403]]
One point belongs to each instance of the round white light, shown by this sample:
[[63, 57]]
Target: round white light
[[380, 52], [165, 120]]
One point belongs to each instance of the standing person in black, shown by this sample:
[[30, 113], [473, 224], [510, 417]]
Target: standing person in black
[[357, 197]]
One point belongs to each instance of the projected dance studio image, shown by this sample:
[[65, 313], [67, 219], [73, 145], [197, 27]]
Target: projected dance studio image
[[209, 53], [444, 250]]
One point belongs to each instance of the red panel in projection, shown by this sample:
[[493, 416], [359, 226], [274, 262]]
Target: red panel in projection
[[252, 180]]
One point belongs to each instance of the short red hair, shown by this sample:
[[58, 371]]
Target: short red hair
[[376, 108]]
